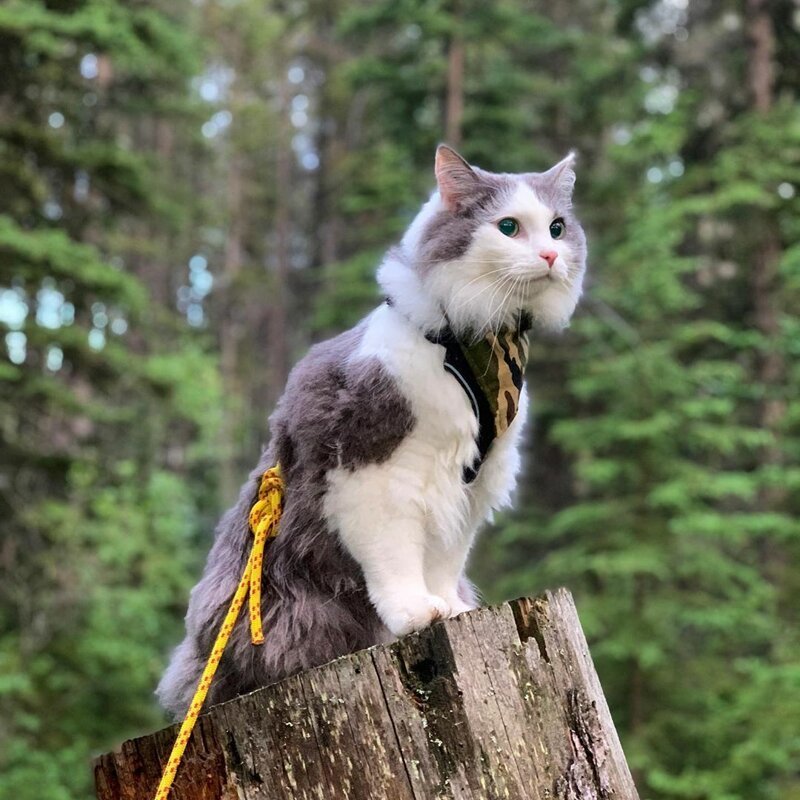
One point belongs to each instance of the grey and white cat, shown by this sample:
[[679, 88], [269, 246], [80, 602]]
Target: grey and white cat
[[373, 436]]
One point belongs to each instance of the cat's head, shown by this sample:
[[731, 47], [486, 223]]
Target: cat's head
[[489, 245]]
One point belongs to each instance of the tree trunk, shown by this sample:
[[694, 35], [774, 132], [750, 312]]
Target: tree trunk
[[761, 68], [766, 259], [279, 338], [454, 111], [501, 702], [230, 329], [327, 56]]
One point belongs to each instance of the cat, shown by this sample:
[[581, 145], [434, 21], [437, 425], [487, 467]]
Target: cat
[[388, 470]]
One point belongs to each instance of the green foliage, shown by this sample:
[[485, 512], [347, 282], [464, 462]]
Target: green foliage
[[674, 515], [661, 485], [108, 407], [144, 40], [125, 549], [347, 293], [29, 256]]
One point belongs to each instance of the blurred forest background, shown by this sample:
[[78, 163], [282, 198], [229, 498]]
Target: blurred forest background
[[193, 192]]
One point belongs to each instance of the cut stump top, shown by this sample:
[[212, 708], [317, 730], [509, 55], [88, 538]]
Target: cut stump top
[[501, 702]]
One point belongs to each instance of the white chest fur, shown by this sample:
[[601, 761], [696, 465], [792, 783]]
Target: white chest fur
[[410, 520], [443, 440]]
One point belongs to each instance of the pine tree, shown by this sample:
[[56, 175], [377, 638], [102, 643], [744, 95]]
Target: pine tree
[[106, 404], [676, 514]]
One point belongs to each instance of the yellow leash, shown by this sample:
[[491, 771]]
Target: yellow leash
[[264, 517]]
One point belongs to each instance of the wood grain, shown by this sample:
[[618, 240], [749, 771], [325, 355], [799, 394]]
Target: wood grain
[[501, 702]]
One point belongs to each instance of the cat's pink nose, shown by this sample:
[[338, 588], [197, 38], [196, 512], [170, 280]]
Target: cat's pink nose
[[549, 256]]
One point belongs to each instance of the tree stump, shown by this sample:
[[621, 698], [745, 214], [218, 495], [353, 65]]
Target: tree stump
[[500, 702]]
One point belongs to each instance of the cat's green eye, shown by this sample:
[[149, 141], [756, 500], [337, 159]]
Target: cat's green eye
[[508, 226], [557, 228]]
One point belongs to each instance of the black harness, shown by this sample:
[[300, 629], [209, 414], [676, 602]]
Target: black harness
[[461, 367], [457, 365]]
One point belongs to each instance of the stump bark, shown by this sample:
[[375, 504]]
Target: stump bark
[[501, 702]]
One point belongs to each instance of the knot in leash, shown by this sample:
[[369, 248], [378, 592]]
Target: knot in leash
[[265, 515]]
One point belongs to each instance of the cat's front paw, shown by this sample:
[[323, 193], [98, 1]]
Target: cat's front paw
[[403, 615], [457, 605]]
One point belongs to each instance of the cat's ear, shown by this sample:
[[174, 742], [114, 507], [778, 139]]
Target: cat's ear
[[561, 177], [456, 179]]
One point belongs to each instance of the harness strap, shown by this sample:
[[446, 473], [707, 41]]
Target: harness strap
[[455, 362], [490, 370]]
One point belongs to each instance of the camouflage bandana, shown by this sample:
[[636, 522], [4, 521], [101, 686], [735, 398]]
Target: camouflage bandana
[[490, 371]]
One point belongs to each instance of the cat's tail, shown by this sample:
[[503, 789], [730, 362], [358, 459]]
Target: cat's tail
[[176, 688]]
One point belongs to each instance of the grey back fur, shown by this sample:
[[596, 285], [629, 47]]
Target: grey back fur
[[334, 413]]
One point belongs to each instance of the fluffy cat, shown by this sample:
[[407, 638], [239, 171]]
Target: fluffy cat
[[387, 474]]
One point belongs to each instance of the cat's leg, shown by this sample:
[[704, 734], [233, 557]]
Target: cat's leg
[[448, 549], [382, 525], [444, 571], [447, 552], [391, 555]]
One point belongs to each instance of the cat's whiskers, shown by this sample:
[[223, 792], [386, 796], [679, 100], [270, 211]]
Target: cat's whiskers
[[497, 282], [490, 316], [477, 294], [432, 262], [468, 284], [516, 280], [502, 308], [499, 286], [563, 279]]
